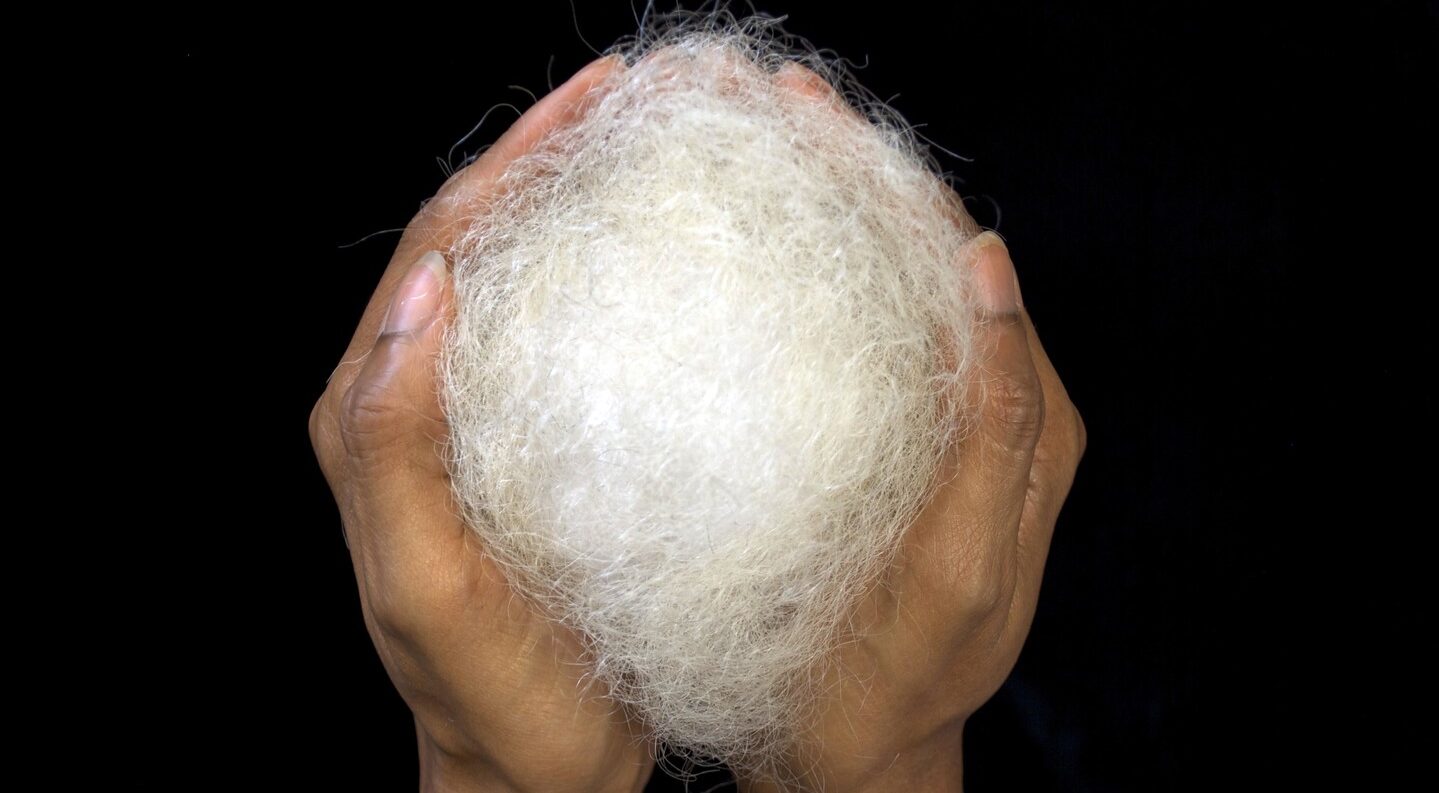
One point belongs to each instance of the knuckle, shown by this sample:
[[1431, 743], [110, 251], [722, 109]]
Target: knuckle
[[397, 618], [1018, 408], [409, 610], [1063, 444], [317, 417], [366, 417], [980, 589], [322, 437], [1070, 436], [396, 607], [981, 594]]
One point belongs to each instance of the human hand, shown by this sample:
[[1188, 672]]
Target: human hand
[[940, 634], [495, 687]]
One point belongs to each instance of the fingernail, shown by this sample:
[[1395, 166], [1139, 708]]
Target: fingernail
[[611, 61], [418, 297], [802, 80], [998, 285]]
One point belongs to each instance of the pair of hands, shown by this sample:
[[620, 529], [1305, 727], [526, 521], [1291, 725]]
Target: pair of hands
[[495, 687]]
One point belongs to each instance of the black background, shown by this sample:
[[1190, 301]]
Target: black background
[[1218, 216]]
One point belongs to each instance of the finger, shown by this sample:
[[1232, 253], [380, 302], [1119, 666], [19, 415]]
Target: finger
[[390, 418], [731, 69], [560, 107], [808, 84], [805, 82], [444, 216], [1009, 390]]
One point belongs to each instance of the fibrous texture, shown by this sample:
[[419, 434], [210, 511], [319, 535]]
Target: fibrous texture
[[704, 365]]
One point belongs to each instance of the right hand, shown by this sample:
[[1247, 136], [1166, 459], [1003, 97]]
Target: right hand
[[499, 695]]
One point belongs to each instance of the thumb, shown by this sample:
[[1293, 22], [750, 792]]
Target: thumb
[[970, 532], [390, 417], [1009, 393]]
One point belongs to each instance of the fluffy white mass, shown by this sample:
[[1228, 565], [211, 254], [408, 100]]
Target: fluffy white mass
[[704, 365]]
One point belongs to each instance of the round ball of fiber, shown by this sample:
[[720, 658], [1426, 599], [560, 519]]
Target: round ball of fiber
[[705, 363]]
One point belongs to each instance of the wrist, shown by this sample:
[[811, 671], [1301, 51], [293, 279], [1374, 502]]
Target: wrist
[[443, 771], [932, 765]]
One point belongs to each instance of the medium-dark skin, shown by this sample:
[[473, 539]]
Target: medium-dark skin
[[497, 690]]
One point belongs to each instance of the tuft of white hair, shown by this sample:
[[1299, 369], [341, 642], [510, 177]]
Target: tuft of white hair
[[706, 358]]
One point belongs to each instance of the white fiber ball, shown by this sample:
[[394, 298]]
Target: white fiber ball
[[706, 360]]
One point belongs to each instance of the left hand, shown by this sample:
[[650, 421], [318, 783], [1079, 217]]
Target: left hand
[[939, 637], [941, 634]]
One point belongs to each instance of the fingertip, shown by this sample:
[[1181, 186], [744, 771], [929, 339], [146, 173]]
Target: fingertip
[[803, 81], [998, 285], [417, 299], [598, 69], [559, 107], [436, 262]]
